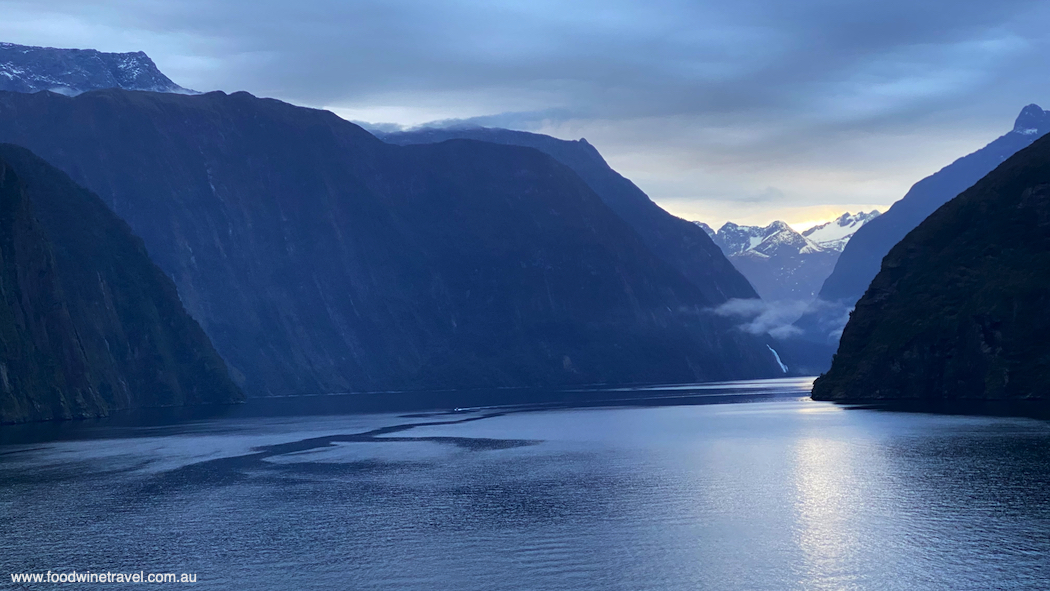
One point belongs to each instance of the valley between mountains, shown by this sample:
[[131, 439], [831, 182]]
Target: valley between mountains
[[279, 251]]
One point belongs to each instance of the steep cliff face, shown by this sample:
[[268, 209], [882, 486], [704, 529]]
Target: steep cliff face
[[320, 259], [960, 307], [42, 366], [674, 240], [87, 323]]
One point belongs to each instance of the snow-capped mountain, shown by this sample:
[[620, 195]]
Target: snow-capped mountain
[[783, 264], [776, 239], [835, 234], [73, 71]]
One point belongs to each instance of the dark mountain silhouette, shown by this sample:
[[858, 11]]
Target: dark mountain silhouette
[[863, 254], [73, 71], [961, 307], [88, 324], [676, 241], [320, 259]]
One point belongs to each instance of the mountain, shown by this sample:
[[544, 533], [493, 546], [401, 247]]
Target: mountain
[[707, 230], [781, 263], [674, 240], [88, 324], [835, 234], [73, 71], [961, 307], [773, 240], [861, 257], [321, 259]]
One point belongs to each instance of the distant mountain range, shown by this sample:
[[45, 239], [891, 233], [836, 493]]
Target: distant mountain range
[[863, 255], [783, 264], [960, 310], [73, 71]]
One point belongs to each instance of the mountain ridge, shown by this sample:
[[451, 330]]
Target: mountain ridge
[[958, 310], [835, 234], [674, 240], [32, 69], [321, 259], [862, 256], [869, 245], [781, 263]]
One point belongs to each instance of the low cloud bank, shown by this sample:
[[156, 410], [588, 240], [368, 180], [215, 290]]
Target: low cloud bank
[[777, 318]]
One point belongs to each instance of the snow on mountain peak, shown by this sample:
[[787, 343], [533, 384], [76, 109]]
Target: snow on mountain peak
[[73, 71], [776, 238], [781, 263], [835, 234], [1032, 120]]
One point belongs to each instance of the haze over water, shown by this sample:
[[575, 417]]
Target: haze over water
[[779, 494]]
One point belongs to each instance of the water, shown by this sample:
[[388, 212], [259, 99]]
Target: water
[[779, 494]]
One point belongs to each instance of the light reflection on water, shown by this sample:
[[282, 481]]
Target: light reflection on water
[[827, 493], [772, 495]]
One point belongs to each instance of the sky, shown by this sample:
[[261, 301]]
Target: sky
[[749, 111]]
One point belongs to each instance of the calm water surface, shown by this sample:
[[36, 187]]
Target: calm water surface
[[778, 494]]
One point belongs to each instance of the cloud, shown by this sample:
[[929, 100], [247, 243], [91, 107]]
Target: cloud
[[700, 102], [777, 318], [520, 120]]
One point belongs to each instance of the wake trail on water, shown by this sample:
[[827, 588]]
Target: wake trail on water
[[234, 469]]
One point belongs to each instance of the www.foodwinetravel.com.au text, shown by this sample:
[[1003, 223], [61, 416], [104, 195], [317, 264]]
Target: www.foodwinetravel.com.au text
[[103, 577]]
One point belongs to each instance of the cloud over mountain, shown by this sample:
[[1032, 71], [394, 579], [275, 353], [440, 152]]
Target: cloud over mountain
[[704, 104]]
